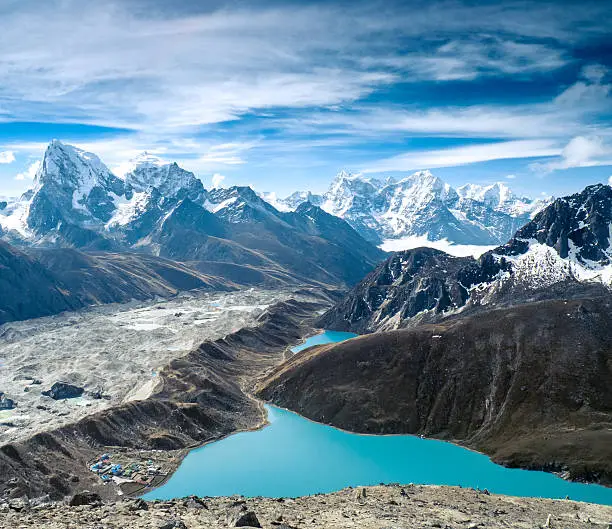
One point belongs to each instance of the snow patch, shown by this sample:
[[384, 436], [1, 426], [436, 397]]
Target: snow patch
[[414, 241]]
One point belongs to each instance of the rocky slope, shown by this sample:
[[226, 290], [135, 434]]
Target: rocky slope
[[421, 204], [409, 507], [28, 289], [39, 282], [104, 277], [564, 251], [240, 228], [44, 281], [529, 384]]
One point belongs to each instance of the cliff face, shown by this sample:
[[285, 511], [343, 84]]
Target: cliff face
[[529, 385]]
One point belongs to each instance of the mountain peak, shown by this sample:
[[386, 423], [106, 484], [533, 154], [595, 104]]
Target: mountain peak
[[343, 174], [68, 165], [148, 171]]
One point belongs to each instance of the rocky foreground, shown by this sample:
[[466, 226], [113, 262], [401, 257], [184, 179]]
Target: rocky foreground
[[382, 507]]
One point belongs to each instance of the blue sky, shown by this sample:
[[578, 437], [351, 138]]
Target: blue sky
[[281, 95]]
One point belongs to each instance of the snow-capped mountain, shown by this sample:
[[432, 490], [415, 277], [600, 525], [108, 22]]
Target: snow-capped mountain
[[72, 187], [148, 171], [239, 204], [421, 204], [77, 201], [499, 196], [565, 249], [164, 210]]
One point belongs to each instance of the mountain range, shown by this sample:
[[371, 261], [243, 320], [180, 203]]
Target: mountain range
[[77, 201], [564, 251], [421, 204], [163, 211]]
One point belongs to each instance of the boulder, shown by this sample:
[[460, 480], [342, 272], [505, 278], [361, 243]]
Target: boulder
[[139, 505], [5, 402], [85, 498], [63, 390], [173, 524], [243, 519]]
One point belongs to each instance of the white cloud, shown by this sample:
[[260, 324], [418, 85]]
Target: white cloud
[[468, 58], [570, 113], [511, 176], [465, 155], [217, 180], [119, 63], [7, 157], [581, 151], [30, 172], [166, 73]]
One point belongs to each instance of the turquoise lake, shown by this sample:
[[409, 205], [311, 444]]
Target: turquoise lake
[[324, 337], [293, 456]]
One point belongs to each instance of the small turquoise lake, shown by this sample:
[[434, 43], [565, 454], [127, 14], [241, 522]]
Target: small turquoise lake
[[293, 456], [324, 337]]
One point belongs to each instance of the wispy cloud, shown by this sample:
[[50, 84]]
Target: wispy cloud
[[466, 155], [117, 63], [225, 87], [580, 151]]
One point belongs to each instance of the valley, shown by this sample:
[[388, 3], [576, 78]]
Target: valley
[[305, 264], [145, 316], [198, 393]]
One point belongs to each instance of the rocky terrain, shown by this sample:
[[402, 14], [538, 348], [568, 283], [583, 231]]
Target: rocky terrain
[[113, 352], [408, 507], [528, 385]]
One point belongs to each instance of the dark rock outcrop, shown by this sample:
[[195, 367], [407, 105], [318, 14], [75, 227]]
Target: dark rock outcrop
[[5, 402], [85, 498], [63, 390], [243, 518]]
